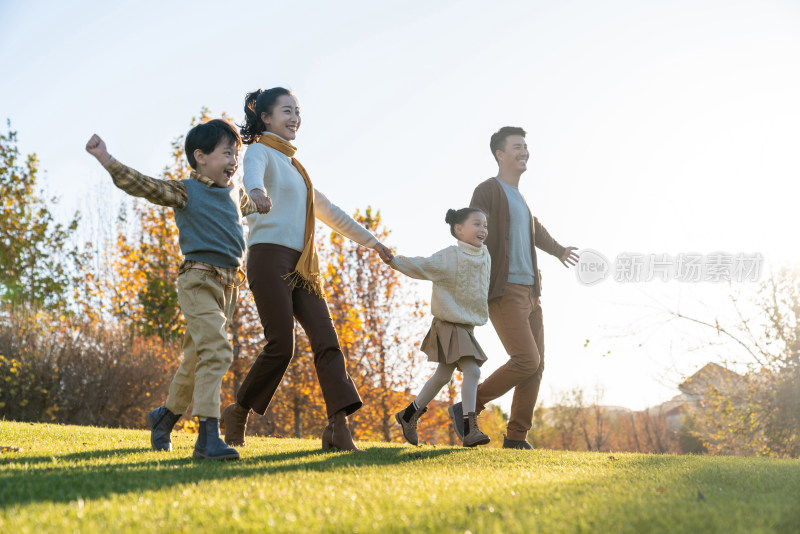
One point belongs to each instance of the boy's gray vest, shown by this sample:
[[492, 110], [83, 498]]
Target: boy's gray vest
[[209, 225]]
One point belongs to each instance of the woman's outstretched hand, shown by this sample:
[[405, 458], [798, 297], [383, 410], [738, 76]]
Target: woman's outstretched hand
[[261, 200], [384, 252]]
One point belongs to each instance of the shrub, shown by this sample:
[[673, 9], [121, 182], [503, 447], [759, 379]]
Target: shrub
[[72, 371]]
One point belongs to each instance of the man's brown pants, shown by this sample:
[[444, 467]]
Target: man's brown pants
[[278, 305], [517, 319]]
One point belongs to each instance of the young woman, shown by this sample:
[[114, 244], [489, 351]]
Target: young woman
[[283, 268]]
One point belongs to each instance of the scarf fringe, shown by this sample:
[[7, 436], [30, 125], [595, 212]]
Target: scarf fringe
[[313, 286]]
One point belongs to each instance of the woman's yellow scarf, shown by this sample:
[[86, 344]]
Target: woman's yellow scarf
[[306, 274]]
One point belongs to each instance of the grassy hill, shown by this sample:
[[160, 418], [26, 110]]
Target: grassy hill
[[85, 479]]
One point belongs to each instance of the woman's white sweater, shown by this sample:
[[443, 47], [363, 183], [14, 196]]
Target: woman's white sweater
[[460, 276], [272, 171]]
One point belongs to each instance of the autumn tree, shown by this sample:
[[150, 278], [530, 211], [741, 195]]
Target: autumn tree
[[573, 424], [756, 412], [567, 416], [593, 423], [37, 262]]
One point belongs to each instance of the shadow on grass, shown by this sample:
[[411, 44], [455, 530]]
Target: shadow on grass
[[50, 481], [73, 457]]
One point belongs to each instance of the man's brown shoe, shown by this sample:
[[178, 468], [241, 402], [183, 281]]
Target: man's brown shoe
[[516, 444]]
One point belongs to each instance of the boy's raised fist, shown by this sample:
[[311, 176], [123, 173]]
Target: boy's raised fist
[[97, 148]]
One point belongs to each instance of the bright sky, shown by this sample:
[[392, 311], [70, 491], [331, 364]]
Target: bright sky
[[654, 127]]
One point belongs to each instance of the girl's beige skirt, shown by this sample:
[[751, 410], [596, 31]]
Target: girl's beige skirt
[[449, 342]]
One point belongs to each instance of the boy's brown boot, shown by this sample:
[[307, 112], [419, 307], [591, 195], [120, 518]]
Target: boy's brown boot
[[472, 434], [234, 421], [337, 436]]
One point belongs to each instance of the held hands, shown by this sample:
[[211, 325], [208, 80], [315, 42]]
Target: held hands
[[569, 258], [384, 252], [261, 200], [97, 148]]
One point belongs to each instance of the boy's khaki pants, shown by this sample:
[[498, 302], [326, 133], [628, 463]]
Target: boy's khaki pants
[[517, 319], [208, 307]]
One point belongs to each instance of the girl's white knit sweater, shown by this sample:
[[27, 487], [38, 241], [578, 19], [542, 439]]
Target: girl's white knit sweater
[[460, 276], [272, 171]]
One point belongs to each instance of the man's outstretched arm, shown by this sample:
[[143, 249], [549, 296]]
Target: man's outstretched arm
[[545, 241]]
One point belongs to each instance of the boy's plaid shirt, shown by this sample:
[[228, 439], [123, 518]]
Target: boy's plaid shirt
[[172, 194]]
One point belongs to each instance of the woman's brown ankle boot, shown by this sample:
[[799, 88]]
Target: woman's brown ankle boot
[[234, 420], [327, 434], [337, 436]]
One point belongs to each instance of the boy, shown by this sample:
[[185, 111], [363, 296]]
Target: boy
[[208, 210]]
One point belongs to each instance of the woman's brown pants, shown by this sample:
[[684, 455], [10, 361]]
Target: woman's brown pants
[[278, 305]]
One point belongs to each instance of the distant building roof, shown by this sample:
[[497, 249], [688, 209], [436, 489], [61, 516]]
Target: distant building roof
[[710, 375]]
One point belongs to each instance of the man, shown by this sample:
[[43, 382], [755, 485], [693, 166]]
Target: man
[[514, 287]]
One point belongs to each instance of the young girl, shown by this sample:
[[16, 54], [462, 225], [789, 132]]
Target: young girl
[[283, 269], [460, 276]]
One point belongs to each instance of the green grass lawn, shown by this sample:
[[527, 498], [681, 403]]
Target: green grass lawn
[[85, 479]]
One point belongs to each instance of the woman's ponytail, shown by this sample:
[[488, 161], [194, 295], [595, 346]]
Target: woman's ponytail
[[255, 104], [253, 125]]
